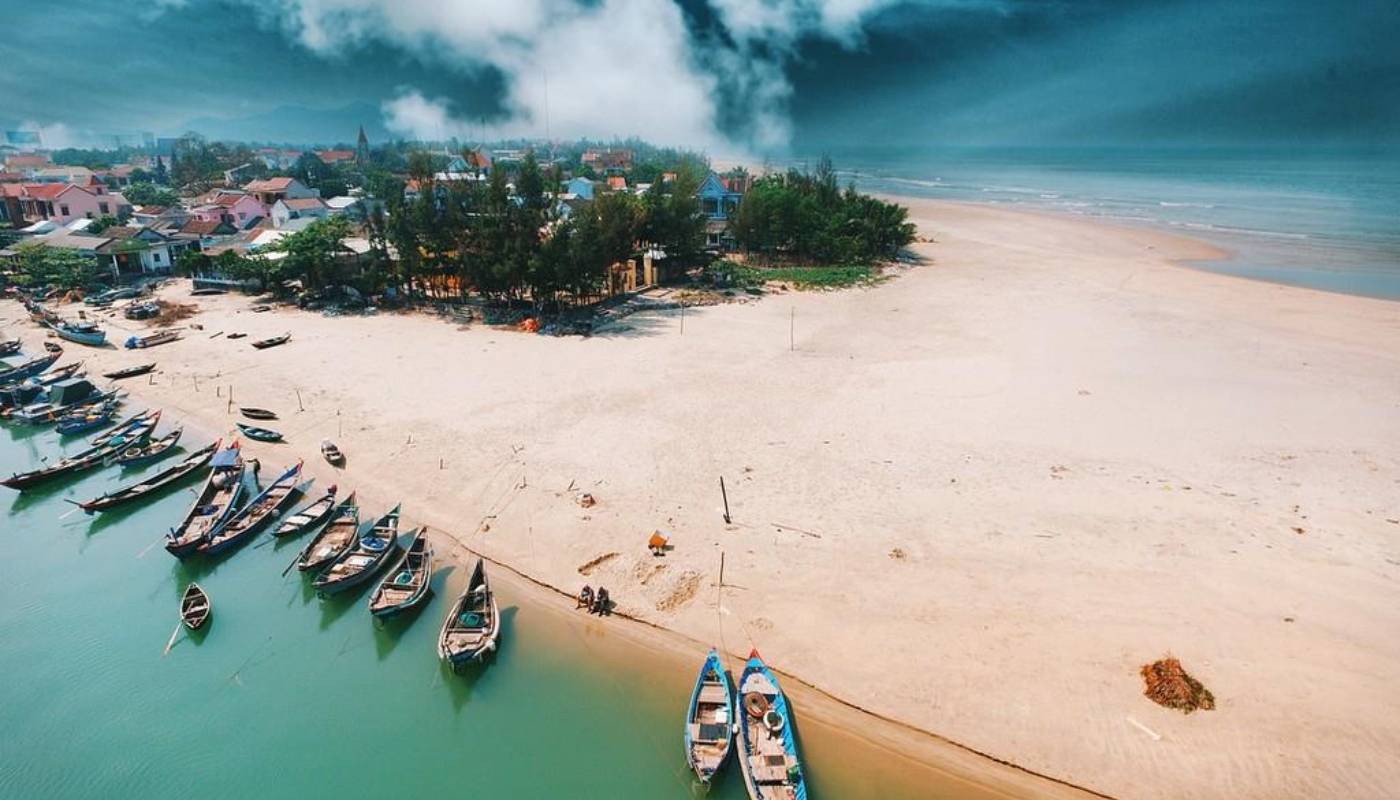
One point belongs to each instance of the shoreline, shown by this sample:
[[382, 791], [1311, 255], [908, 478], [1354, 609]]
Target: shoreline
[[639, 490]]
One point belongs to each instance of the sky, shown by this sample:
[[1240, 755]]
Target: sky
[[750, 77]]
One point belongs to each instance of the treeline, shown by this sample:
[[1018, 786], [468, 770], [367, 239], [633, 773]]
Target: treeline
[[800, 217]]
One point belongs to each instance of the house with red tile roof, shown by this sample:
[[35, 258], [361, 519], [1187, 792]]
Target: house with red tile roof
[[65, 202], [239, 209], [335, 156], [609, 161]]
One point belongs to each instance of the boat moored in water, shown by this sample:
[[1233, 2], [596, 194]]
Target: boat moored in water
[[308, 517], [150, 451], [473, 625], [372, 552], [153, 484], [85, 460], [214, 504], [709, 719], [407, 582], [195, 607], [335, 539], [261, 510], [767, 745]]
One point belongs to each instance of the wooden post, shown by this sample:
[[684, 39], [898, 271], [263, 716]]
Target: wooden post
[[682, 317], [218, 391], [725, 495], [792, 330], [721, 569], [339, 426], [196, 383], [300, 407]]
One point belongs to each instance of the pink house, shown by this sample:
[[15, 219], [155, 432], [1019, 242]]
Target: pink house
[[235, 208], [65, 202]]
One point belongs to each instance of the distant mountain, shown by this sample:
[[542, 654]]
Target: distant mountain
[[297, 125]]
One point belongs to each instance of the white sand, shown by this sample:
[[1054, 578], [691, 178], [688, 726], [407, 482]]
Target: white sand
[[1088, 456]]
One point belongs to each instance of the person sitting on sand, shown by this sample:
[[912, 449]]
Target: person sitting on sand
[[585, 597]]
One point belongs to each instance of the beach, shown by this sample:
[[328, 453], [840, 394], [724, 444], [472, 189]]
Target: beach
[[972, 500]]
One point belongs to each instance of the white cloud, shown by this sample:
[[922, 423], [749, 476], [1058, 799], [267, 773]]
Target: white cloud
[[613, 67]]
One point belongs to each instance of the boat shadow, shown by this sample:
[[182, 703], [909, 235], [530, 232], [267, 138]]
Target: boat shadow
[[333, 607]]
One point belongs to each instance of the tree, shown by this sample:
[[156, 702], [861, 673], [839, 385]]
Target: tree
[[162, 175], [146, 194], [313, 252], [59, 267], [101, 224]]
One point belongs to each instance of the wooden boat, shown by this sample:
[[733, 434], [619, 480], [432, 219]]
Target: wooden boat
[[257, 413], [10, 347], [207, 291], [85, 460], [129, 372], [263, 344], [81, 332], [151, 340], [709, 720], [87, 418], [236, 335], [17, 394], [153, 484], [473, 625], [214, 504], [373, 550], [332, 453], [149, 452], [30, 368], [260, 434], [261, 510], [194, 607], [124, 425], [407, 583], [335, 539], [61, 405], [767, 747], [53, 347], [309, 516]]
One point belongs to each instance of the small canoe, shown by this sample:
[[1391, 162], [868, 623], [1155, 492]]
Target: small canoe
[[53, 347], [260, 434], [261, 510], [709, 720], [85, 460], [125, 425], [332, 453], [160, 337], [194, 607], [129, 372], [214, 504], [407, 583], [236, 335], [373, 551], [10, 347], [335, 539], [309, 517], [150, 452], [207, 292], [155, 483], [767, 747], [473, 625], [257, 413], [263, 344]]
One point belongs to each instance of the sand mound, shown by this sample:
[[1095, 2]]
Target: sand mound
[[171, 313], [1169, 685]]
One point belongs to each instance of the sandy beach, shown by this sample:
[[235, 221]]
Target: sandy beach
[[973, 499]]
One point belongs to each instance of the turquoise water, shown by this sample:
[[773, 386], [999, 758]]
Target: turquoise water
[[1317, 218], [286, 695]]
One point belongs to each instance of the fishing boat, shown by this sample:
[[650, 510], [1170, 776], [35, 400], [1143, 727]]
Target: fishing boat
[[331, 453], [124, 426], [371, 553], [237, 335], [335, 539], [151, 340], [148, 486], [87, 418], [257, 413], [308, 517], [261, 510], [263, 344], [129, 372], [214, 504], [473, 625], [194, 607], [72, 395], [81, 332], [85, 460], [767, 747], [17, 394], [30, 368], [407, 583], [149, 451], [9, 348], [709, 719], [261, 434]]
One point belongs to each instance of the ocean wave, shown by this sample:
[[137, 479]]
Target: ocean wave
[[1171, 204]]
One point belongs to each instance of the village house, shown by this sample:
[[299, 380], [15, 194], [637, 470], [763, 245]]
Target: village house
[[208, 232], [159, 216], [239, 209], [579, 187], [270, 190], [64, 203], [609, 161], [11, 210], [719, 202], [132, 252], [82, 176], [27, 163], [333, 157], [298, 208]]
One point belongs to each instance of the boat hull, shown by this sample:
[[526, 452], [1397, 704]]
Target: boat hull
[[359, 578]]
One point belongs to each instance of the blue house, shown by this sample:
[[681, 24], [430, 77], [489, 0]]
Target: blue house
[[581, 188], [719, 202]]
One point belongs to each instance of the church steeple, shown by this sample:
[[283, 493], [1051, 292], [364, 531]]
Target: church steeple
[[362, 148]]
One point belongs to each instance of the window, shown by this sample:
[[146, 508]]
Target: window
[[155, 257], [63, 211], [102, 207]]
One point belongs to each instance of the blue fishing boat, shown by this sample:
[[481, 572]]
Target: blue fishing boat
[[87, 418], [82, 461], [261, 510], [150, 452], [9, 348], [152, 484], [310, 516], [371, 553], [30, 368], [74, 396], [260, 434], [767, 746], [81, 332], [473, 625], [709, 719], [407, 583], [23, 392], [214, 504]]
